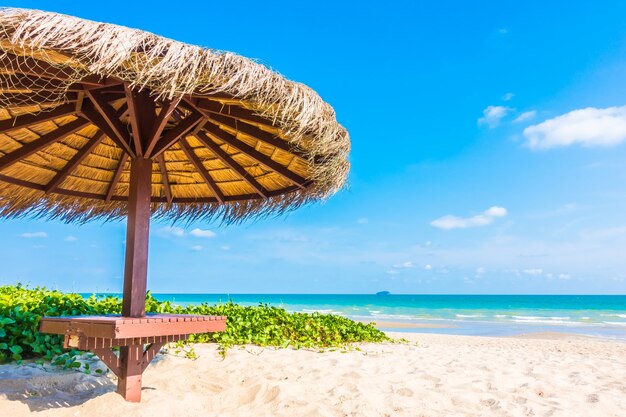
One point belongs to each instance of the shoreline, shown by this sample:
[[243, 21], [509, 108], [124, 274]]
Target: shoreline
[[495, 329]]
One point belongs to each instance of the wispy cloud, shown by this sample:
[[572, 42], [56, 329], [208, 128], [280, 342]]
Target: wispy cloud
[[172, 231], [526, 116], [586, 127], [71, 239], [508, 97], [202, 233], [533, 271], [485, 218], [30, 235], [493, 115], [197, 248]]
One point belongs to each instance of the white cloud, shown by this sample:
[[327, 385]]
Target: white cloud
[[492, 116], [30, 235], [564, 277], [450, 222], [197, 248], [508, 97], [527, 115], [404, 265], [533, 271], [202, 233], [428, 267], [71, 239], [587, 127], [225, 247], [480, 270], [392, 272], [173, 231]]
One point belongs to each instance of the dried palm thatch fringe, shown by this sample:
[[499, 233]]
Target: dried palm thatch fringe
[[169, 69]]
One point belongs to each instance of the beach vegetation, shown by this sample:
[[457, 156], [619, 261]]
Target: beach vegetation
[[21, 309]]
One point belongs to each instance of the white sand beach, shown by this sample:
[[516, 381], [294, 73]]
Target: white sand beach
[[441, 375]]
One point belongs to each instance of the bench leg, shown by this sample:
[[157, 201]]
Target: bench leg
[[129, 380]]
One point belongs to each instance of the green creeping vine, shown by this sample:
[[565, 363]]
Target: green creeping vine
[[21, 309]]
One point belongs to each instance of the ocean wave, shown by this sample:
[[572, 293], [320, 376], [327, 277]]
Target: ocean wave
[[469, 316], [615, 323], [389, 316], [322, 311], [621, 316], [531, 318], [500, 316], [540, 321]]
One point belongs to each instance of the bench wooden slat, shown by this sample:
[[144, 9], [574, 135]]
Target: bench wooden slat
[[116, 327]]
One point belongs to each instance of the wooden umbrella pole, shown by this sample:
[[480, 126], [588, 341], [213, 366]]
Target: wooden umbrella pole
[[135, 273], [137, 235]]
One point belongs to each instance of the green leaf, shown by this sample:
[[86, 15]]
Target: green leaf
[[16, 349]]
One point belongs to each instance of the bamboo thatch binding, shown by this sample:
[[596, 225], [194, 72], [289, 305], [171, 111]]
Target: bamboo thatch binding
[[169, 70]]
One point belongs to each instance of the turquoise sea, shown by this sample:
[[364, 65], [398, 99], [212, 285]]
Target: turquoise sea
[[486, 315], [489, 315]]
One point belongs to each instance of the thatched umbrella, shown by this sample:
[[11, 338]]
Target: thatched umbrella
[[99, 121]]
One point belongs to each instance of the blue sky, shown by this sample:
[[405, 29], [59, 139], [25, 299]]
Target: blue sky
[[489, 154]]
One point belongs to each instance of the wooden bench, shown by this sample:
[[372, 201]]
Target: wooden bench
[[139, 340]]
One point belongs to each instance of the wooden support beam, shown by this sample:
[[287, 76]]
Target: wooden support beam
[[254, 132], [231, 163], [173, 135], [261, 158], [30, 66], [74, 162], [134, 123], [150, 354], [24, 83], [142, 115], [44, 141], [210, 182], [235, 112], [110, 116], [164, 179], [30, 99], [110, 359], [116, 177], [137, 233], [27, 120], [159, 124], [90, 113]]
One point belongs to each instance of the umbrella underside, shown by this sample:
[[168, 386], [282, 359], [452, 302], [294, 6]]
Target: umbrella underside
[[205, 148]]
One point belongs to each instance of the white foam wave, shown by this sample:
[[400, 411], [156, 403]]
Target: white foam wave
[[392, 316], [621, 316], [615, 323], [321, 311], [531, 318], [469, 316], [539, 321]]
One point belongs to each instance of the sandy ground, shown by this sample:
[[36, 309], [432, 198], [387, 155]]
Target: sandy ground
[[534, 375]]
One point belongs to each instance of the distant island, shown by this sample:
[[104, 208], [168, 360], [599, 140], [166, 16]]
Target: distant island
[[383, 293]]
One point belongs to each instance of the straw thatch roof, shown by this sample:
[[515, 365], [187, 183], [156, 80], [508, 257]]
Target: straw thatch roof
[[228, 137]]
